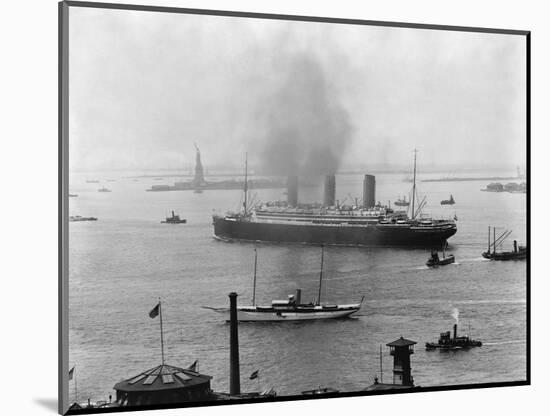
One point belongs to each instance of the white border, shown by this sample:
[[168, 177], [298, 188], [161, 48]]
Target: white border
[[29, 203]]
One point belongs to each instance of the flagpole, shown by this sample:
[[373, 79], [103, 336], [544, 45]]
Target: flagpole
[[161, 333]]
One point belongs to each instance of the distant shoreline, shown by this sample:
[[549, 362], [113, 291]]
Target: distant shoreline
[[486, 178]]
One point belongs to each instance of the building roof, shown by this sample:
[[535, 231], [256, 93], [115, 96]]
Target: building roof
[[163, 377], [401, 342]]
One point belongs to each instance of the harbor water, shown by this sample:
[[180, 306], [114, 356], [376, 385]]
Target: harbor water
[[123, 263]]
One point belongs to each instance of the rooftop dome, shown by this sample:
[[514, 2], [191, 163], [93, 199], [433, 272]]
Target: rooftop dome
[[163, 377]]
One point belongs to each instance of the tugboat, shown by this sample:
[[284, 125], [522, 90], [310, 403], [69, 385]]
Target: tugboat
[[401, 202], [518, 253], [447, 343], [435, 261], [450, 201], [292, 309], [103, 190], [174, 219]]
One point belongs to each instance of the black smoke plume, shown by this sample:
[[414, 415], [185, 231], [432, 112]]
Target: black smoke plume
[[306, 127]]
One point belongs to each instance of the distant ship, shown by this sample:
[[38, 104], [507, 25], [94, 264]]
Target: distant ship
[[450, 201], [199, 184], [77, 218], [369, 224], [174, 219], [73, 195], [445, 341], [92, 181], [103, 190], [402, 202], [518, 252]]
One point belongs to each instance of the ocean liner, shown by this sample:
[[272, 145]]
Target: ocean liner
[[330, 223]]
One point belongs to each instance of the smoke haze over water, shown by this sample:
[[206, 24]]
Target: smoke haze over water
[[306, 129]]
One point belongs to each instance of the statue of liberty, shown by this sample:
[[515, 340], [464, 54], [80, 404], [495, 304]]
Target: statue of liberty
[[199, 173]]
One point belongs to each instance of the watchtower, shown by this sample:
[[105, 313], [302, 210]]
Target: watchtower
[[401, 350]]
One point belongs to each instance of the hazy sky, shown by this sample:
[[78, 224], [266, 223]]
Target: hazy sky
[[295, 95]]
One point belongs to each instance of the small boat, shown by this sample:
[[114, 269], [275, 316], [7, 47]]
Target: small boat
[[103, 190], [450, 201], [292, 309], [518, 252], [435, 261], [402, 202], [174, 219], [447, 343], [77, 218]]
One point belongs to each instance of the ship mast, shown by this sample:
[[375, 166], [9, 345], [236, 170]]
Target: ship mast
[[381, 373], [414, 185], [245, 182], [255, 266], [321, 274]]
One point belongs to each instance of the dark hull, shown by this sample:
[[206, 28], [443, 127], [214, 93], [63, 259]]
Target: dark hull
[[440, 262], [372, 235], [450, 347], [510, 255]]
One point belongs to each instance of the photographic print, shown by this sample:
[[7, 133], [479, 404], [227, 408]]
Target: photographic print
[[261, 208]]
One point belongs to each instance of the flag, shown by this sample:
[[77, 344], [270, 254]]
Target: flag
[[193, 367], [254, 374], [155, 311], [71, 373]]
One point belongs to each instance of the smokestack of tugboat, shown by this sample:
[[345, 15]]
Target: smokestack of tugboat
[[292, 191], [454, 331], [369, 189], [330, 191]]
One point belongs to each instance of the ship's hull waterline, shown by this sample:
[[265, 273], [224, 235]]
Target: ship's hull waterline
[[281, 316], [405, 235]]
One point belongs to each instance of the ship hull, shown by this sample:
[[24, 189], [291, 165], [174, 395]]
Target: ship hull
[[505, 256], [294, 315], [228, 228]]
